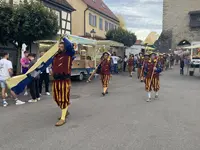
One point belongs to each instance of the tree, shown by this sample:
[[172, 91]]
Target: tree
[[25, 23], [122, 23], [33, 22], [6, 26], [122, 36]]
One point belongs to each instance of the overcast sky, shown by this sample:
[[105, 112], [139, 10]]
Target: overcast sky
[[141, 16]]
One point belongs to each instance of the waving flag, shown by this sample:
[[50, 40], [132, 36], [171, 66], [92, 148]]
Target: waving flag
[[18, 83]]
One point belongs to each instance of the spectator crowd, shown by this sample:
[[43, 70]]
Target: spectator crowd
[[36, 85], [35, 88]]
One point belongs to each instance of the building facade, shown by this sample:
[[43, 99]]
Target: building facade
[[92, 14], [181, 23], [61, 8]]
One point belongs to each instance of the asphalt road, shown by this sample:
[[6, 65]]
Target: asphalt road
[[120, 121]]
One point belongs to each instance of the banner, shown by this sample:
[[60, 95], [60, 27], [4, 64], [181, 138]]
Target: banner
[[18, 83]]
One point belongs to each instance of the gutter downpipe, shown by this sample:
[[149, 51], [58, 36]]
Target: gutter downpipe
[[85, 20], [94, 46]]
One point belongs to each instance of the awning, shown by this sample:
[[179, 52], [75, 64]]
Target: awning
[[149, 48], [110, 43], [191, 47], [45, 41], [81, 40]]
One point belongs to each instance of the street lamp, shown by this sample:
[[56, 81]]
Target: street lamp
[[93, 33]]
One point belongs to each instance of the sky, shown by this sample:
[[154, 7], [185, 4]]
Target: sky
[[141, 16]]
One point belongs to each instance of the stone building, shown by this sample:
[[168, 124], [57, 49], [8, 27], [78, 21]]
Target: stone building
[[181, 23]]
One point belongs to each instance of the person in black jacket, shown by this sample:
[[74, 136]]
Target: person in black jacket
[[44, 77], [34, 85], [182, 64]]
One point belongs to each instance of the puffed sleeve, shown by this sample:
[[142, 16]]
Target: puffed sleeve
[[159, 67], [69, 47]]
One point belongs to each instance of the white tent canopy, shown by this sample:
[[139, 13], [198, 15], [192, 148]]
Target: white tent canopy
[[191, 47]]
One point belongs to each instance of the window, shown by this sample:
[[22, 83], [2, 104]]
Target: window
[[106, 26], [58, 14], [111, 26], [195, 20], [64, 15], [100, 23], [92, 20]]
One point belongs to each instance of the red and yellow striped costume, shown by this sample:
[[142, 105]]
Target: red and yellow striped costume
[[130, 64], [105, 80], [148, 70], [140, 68], [155, 84], [105, 72], [61, 85], [61, 92]]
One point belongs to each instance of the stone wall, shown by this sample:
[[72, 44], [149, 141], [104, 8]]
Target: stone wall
[[176, 19]]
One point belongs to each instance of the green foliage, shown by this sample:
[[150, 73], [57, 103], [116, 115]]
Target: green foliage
[[26, 22], [6, 26], [121, 35], [33, 22]]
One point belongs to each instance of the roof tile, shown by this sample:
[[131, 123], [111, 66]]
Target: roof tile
[[100, 6], [64, 3]]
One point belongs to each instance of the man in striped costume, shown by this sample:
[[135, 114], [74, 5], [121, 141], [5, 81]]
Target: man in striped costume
[[105, 71], [61, 69], [152, 69], [130, 65], [140, 67]]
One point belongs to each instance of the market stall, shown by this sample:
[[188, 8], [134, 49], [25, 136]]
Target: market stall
[[111, 46], [194, 50], [85, 49]]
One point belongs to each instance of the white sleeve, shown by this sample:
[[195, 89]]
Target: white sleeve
[[10, 65]]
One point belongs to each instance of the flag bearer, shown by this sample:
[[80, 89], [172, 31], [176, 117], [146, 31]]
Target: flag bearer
[[61, 69]]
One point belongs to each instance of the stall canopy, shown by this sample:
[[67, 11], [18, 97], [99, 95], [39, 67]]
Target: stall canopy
[[110, 43], [191, 47], [149, 48], [81, 40]]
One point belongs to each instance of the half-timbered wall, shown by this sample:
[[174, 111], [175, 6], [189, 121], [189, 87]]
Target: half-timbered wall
[[64, 17]]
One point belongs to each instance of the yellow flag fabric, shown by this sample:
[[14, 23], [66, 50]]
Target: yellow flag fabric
[[18, 83]]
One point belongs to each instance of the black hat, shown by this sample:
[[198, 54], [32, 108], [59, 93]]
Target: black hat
[[153, 54], [31, 55], [106, 53]]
